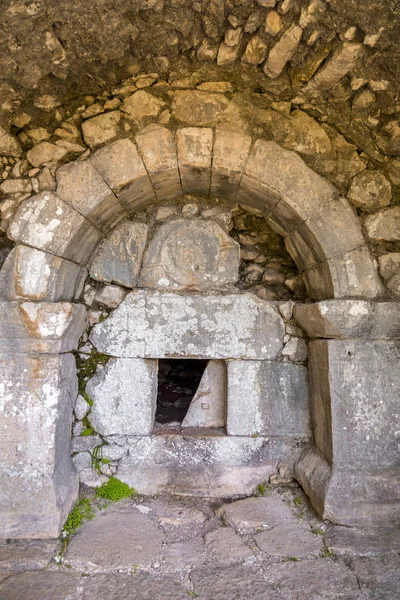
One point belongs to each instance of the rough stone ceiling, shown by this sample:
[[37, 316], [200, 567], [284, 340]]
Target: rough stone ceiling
[[69, 49]]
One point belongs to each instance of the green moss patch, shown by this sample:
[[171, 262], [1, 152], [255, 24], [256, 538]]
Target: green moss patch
[[115, 490], [81, 512]]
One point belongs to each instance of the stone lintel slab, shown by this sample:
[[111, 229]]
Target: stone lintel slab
[[337, 319], [123, 170], [31, 274], [206, 466], [267, 398], [43, 328], [231, 151], [194, 147], [150, 324], [157, 147], [38, 483]]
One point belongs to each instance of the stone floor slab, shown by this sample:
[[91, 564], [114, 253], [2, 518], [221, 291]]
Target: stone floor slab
[[289, 540], [314, 580], [44, 585], [182, 556], [225, 547], [233, 583], [26, 555], [379, 578], [132, 587], [115, 540], [350, 542], [256, 514]]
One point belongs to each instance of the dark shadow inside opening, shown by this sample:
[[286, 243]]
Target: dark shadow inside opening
[[178, 380]]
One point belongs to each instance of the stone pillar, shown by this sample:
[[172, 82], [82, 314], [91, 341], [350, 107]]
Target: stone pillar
[[38, 387], [352, 474]]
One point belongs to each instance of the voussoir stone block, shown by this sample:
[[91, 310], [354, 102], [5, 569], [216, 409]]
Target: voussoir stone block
[[42, 328], [349, 319], [38, 483], [31, 274], [157, 147], [124, 396], [123, 170], [208, 407], [231, 151], [267, 398], [118, 259], [151, 324], [81, 186], [48, 223], [190, 255], [194, 147]]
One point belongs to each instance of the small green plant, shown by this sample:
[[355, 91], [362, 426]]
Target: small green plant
[[87, 431], [263, 488], [327, 553], [254, 435], [81, 512], [193, 595], [115, 490], [292, 558], [318, 531], [297, 501]]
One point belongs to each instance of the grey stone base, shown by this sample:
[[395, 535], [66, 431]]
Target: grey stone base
[[350, 497], [205, 465]]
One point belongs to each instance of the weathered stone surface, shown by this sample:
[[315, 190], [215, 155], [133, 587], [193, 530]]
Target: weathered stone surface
[[81, 186], [208, 407], [256, 51], [111, 295], [31, 274], [42, 328], [157, 147], [119, 257], [38, 481], [273, 23], [142, 106], [337, 66], [182, 556], [9, 146], [26, 555], [197, 108], [296, 540], [48, 223], [194, 147], [267, 398], [370, 191], [128, 587], [123, 170], [202, 464], [388, 138], [295, 349], [41, 586], [349, 319], [81, 407], [379, 579], [389, 266], [190, 255], [255, 514], [231, 151], [283, 51], [350, 542], [124, 395], [101, 129], [226, 548], [86, 443], [314, 580], [306, 136], [227, 55], [160, 325], [46, 154], [384, 225], [115, 540], [233, 582]]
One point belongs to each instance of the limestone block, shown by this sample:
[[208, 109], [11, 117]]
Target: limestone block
[[355, 386], [31, 274], [198, 109], [142, 106], [290, 540], [48, 223], [278, 179], [208, 407], [42, 328], [123, 170], [283, 51], [227, 55], [194, 146], [389, 266], [9, 146], [46, 154], [231, 151], [162, 325], [267, 398], [349, 319], [384, 225], [254, 514], [124, 396], [111, 295], [81, 408], [214, 466], [101, 129], [38, 481], [342, 60], [190, 255], [157, 147], [118, 259], [295, 349], [370, 191], [81, 186], [256, 51]]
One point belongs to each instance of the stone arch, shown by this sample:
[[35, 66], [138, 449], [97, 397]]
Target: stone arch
[[56, 232]]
